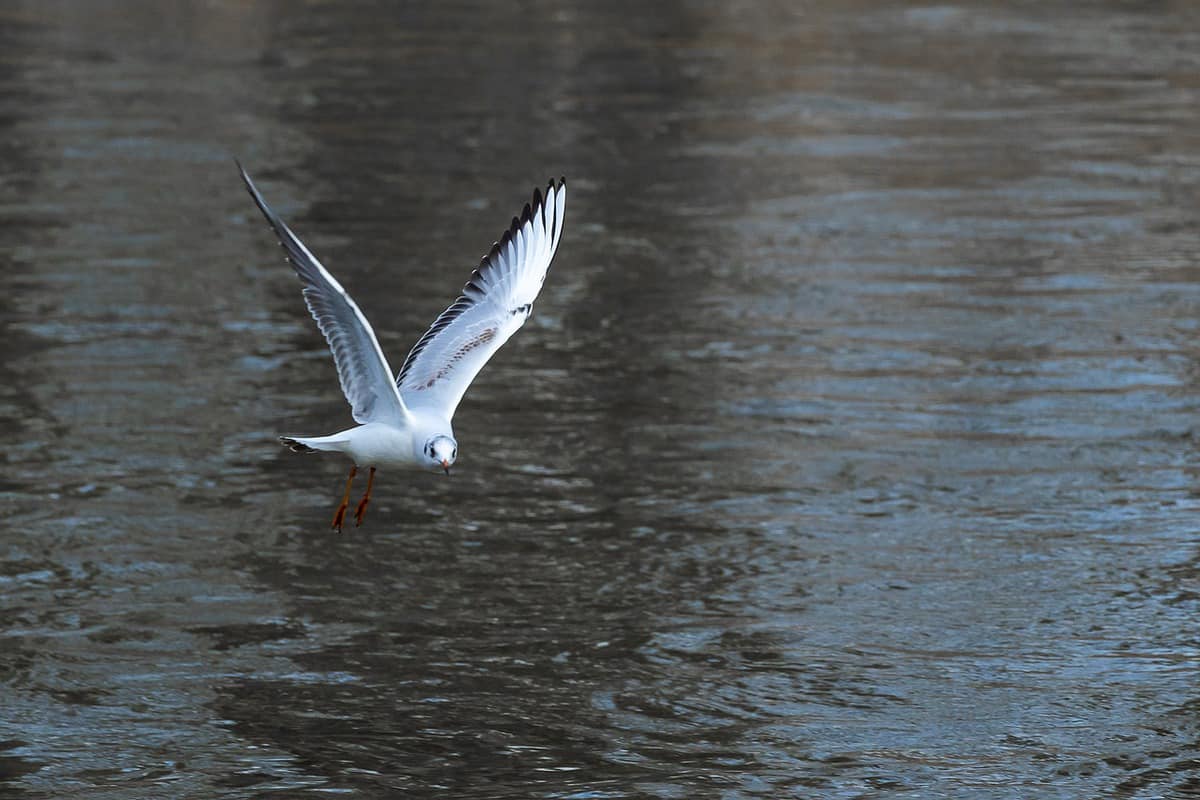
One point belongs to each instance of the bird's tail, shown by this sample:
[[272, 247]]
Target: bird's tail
[[310, 445]]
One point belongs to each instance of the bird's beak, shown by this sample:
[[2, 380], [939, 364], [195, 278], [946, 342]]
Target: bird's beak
[[446, 465]]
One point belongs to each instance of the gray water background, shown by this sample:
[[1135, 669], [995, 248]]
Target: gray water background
[[851, 450]]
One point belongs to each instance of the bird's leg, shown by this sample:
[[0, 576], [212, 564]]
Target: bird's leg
[[339, 516], [366, 498]]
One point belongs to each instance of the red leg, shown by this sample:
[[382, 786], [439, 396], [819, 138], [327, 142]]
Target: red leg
[[366, 498], [339, 516]]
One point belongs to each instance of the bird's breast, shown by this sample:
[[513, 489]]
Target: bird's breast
[[379, 445]]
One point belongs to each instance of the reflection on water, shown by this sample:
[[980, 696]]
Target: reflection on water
[[850, 452]]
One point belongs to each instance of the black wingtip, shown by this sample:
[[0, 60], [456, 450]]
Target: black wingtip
[[249, 184], [242, 170]]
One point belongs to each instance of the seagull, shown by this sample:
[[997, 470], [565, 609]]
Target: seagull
[[404, 421]]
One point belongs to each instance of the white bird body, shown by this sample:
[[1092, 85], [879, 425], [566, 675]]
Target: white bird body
[[404, 418], [379, 444]]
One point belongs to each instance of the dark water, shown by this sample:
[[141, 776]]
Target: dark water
[[851, 452]]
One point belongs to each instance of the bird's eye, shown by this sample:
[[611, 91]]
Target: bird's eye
[[454, 453]]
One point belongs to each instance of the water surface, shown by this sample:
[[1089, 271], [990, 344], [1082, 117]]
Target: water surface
[[850, 451]]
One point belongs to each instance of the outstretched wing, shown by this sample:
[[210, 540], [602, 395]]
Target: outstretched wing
[[493, 305], [362, 368]]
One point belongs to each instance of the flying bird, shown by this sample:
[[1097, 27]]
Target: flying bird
[[404, 418]]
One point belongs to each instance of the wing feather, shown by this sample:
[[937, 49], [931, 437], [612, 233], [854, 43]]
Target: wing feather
[[362, 368], [494, 304]]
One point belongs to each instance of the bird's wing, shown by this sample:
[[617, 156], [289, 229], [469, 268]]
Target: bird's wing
[[362, 368], [493, 305]]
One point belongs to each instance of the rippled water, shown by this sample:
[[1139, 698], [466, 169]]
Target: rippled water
[[851, 451]]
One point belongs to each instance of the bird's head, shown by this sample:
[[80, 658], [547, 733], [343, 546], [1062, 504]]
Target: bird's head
[[440, 452]]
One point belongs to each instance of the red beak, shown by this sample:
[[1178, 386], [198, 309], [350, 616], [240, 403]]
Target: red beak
[[446, 465]]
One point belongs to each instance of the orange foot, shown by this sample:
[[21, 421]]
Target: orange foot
[[339, 516], [366, 498]]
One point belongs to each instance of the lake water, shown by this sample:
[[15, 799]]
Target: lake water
[[851, 450]]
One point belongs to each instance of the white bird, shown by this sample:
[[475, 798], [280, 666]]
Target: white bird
[[405, 421]]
